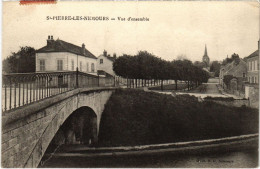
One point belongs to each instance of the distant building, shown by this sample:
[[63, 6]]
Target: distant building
[[59, 55], [252, 87], [205, 58], [253, 67], [105, 64], [238, 69], [105, 67]]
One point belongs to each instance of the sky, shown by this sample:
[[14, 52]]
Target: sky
[[174, 27]]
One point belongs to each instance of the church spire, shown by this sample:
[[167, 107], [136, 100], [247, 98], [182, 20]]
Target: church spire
[[205, 53], [205, 58]]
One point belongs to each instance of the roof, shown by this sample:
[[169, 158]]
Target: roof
[[102, 72], [255, 53], [62, 46], [109, 57], [232, 68]]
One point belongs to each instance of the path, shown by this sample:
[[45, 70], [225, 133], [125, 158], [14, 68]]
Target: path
[[211, 90]]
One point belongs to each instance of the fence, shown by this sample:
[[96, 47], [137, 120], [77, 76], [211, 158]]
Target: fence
[[25, 88], [136, 83]]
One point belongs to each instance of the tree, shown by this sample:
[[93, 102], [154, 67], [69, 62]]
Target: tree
[[200, 64], [181, 57], [227, 79], [234, 56], [22, 61], [146, 66], [215, 67]]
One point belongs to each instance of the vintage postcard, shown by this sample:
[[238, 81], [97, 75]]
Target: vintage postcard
[[130, 84]]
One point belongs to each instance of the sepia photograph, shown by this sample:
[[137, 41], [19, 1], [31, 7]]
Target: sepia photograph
[[130, 84]]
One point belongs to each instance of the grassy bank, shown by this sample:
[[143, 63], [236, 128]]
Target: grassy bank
[[134, 117]]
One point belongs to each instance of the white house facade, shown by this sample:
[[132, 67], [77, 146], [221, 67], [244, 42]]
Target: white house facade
[[105, 63], [59, 55]]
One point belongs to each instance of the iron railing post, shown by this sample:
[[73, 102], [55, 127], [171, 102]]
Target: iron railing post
[[77, 77], [98, 80]]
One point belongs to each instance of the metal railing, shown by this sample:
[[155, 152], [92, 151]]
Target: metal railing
[[137, 83], [25, 88]]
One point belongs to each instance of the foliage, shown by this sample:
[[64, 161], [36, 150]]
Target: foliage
[[227, 79], [215, 67], [220, 98], [135, 117], [22, 61], [181, 57], [234, 56], [200, 64], [145, 65]]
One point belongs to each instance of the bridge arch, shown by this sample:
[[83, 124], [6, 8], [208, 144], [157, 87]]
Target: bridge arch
[[34, 131], [79, 128]]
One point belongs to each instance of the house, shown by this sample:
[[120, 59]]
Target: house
[[59, 55], [237, 69], [253, 67], [105, 64], [252, 85], [105, 67]]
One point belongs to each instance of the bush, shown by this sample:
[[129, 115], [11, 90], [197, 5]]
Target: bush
[[134, 117], [220, 98]]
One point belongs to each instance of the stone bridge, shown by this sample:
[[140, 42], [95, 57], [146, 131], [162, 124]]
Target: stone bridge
[[28, 130]]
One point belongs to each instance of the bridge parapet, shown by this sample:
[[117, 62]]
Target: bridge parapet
[[24, 88]]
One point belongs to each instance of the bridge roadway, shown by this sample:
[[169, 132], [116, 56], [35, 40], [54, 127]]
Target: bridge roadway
[[28, 130]]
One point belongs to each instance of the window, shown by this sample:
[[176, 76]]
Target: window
[[87, 69], [92, 67], [72, 64], [244, 74], [101, 61], [80, 66], [42, 65], [256, 65], [59, 64]]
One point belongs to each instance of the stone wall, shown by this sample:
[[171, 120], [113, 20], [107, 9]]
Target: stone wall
[[27, 132], [254, 97]]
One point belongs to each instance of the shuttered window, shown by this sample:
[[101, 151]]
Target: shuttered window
[[59, 65], [42, 65]]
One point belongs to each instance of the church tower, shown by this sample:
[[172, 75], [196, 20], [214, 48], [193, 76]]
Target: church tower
[[205, 58]]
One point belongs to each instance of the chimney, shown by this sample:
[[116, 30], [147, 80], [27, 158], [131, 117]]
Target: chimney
[[50, 40], [83, 48], [105, 53]]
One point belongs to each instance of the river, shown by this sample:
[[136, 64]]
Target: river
[[222, 159]]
